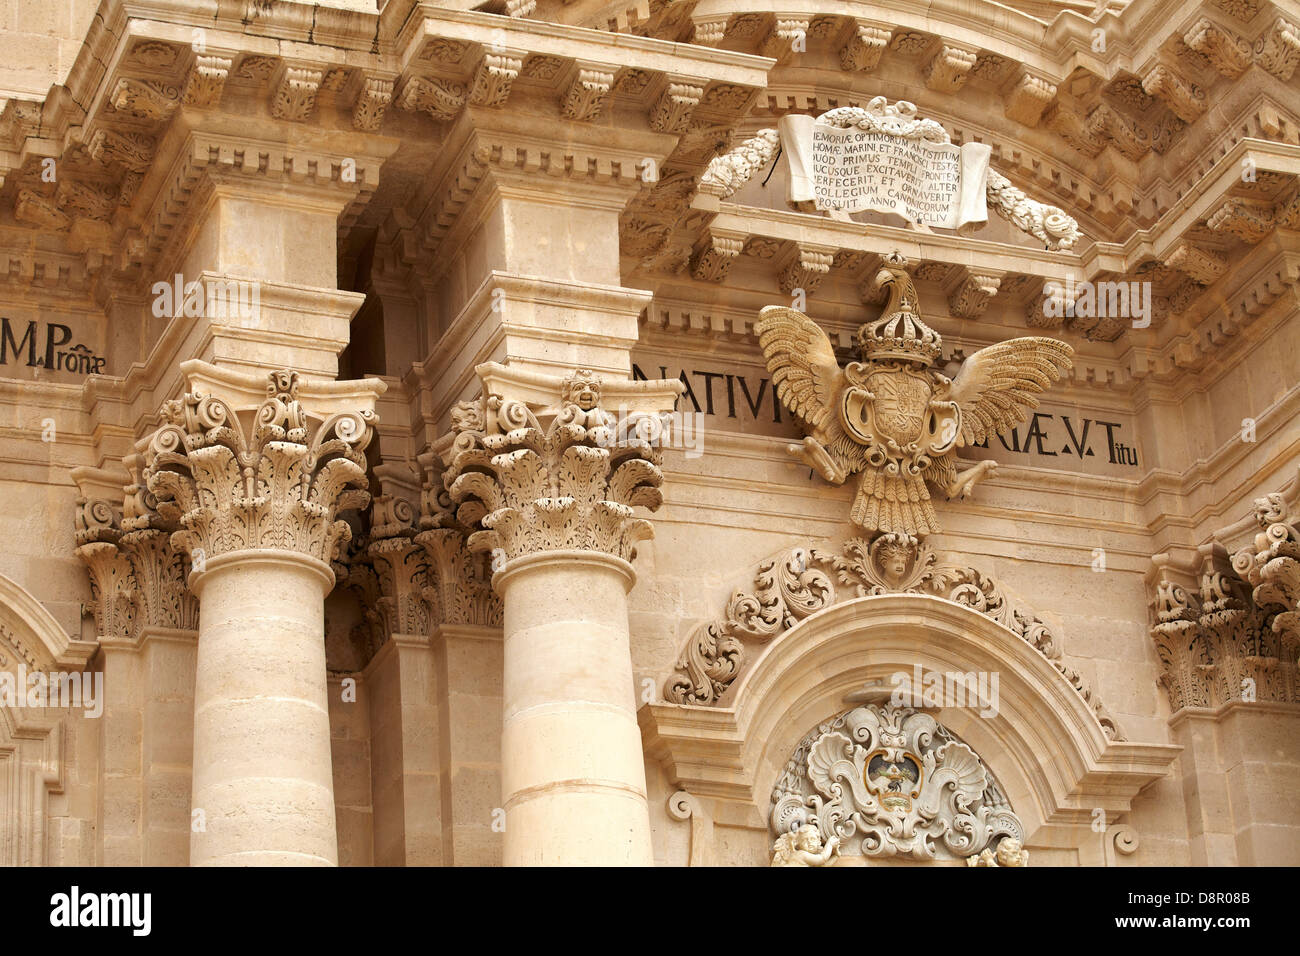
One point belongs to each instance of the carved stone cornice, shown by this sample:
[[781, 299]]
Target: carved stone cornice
[[866, 45], [1028, 98], [971, 294], [713, 260], [800, 582], [207, 81], [948, 68], [1278, 49], [280, 485], [805, 267], [539, 464], [295, 93]]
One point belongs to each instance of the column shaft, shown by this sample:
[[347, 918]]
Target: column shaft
[[262, 766], [573, 776]]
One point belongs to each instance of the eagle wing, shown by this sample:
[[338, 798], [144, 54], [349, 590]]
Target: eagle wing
[[995, 387], [801, 359]]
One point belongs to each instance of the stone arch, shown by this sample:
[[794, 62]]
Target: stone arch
[[1045, 744], [32, 764]]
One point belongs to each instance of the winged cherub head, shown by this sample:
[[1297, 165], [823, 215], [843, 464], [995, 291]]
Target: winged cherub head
[[891, 417]]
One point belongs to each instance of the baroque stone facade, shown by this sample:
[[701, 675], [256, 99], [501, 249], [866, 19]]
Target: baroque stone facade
[[428, 433]]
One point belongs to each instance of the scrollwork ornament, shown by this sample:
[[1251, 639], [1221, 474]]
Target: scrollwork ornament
[[888, 781]]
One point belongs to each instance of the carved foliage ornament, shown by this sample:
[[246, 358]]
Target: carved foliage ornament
[[551, 479], [892, 418], [137, 578], [279, 487], [798, 583], [1238, 636], [885, 781]]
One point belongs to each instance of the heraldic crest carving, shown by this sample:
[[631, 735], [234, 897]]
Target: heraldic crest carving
[[882, 781], [892, 417]]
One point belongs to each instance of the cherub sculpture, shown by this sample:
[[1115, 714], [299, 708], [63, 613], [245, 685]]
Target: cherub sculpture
[[1008, 853], [804, 847], [892, 417]]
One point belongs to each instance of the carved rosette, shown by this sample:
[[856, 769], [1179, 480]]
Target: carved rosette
[[537, 479], [281, 487], [891, 781], [791, 587]]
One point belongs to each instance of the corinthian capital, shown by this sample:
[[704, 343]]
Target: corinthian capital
[[137, 577], [234, 474], [543, 463]]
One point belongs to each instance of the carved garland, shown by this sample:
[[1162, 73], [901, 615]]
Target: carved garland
[[788, 589]]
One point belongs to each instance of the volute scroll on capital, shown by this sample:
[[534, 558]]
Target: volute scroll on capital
[[1230, 629], [540, 463], [233, 476]]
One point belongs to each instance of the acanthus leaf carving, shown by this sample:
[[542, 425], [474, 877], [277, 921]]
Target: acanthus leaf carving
[[561, 477], [282, 487]]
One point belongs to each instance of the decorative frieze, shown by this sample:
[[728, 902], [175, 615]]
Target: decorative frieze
[[280, 487]]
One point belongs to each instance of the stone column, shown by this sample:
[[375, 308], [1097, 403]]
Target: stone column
[[145, 620], [257, 490], [543, 470]]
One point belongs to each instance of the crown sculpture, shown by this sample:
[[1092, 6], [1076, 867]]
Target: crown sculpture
[[891, 416]]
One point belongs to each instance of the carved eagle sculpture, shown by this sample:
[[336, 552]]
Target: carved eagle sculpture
[[890, 416]]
